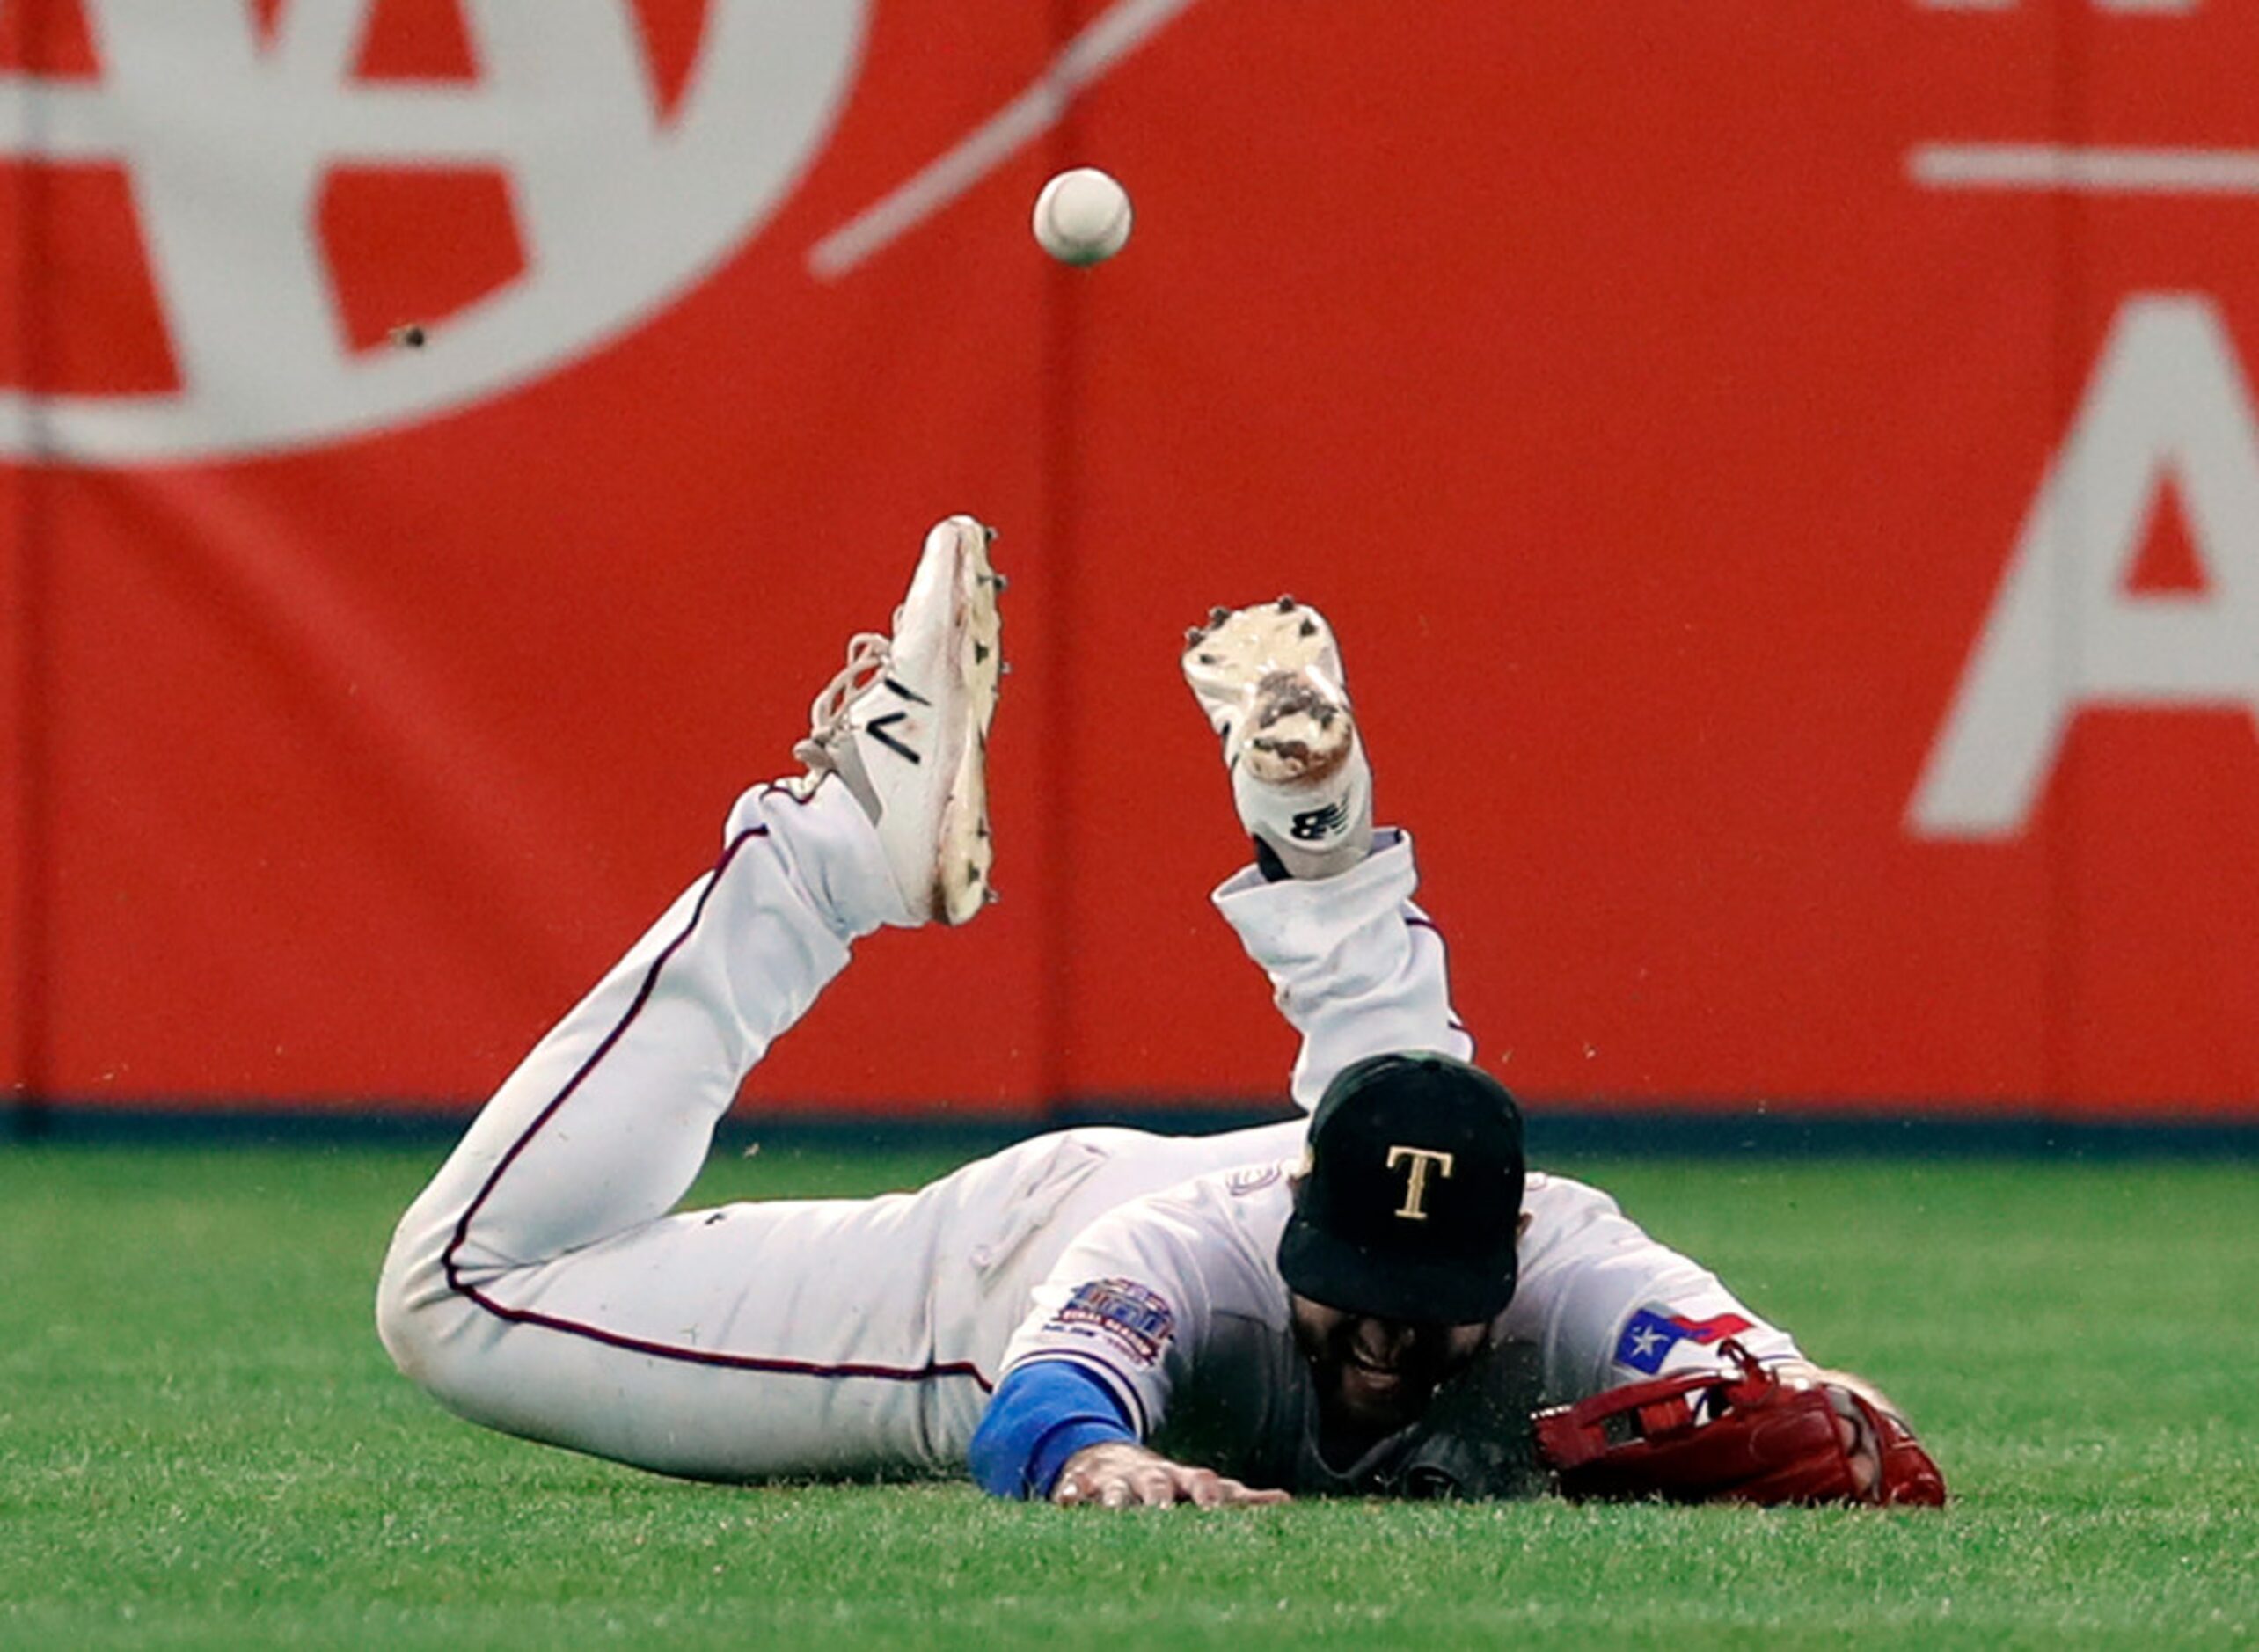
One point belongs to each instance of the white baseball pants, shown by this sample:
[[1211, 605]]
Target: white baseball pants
[[540, 1284]]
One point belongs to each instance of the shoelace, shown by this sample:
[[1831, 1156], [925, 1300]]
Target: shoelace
[[869, 655]]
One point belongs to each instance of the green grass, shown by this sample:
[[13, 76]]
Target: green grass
[[201, 1444]]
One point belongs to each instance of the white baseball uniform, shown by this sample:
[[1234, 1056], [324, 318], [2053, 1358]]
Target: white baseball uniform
[[543, 1284]]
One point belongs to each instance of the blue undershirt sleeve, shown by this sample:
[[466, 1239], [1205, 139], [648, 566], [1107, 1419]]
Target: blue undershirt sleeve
[[1041, 1414]]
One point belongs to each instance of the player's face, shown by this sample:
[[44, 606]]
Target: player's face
[[1377, 1375]]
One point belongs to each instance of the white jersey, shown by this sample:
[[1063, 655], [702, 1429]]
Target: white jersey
[[545, 1283], [1175, 1302]]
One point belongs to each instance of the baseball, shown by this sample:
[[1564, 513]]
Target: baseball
[[1082, 216]]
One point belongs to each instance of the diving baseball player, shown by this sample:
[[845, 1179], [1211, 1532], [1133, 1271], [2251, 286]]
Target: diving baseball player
[[1375, 1299]]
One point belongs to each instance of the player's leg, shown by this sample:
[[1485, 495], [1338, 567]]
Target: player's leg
[[538, 1284], [1326, 911]]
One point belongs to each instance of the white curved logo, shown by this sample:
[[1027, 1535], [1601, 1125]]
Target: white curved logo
[[228, 139]]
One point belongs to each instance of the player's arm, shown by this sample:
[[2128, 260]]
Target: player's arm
[[1043, 1414], [1117, 1326], [1680, 1390], [1054, 1430]]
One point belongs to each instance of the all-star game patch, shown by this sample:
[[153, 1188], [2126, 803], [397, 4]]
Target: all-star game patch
[[1123, 1313], [1251, 1179]]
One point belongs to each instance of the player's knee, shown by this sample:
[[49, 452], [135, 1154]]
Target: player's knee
[[397, 1325], [411, 1302]]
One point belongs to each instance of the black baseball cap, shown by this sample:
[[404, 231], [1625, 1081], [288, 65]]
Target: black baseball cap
[[1410, 1198]]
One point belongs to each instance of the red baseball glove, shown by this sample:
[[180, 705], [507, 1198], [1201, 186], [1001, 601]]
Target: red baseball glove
[[1748, 1436]]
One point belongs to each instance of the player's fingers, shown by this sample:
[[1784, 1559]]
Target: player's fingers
[[1858, 1446], [1156, 1487], [1237, 1494], [1070, 1490], [1117, 1494], [1865, 1470], [1203, 1487]]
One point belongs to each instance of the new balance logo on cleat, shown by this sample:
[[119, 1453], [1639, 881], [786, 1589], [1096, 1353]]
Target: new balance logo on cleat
[[880, 729], [1315, 825]]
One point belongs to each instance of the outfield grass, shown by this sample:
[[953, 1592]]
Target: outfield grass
[[201, 1444]]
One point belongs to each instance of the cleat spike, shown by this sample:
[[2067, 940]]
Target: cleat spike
[[1218, 615], [1286, 604]]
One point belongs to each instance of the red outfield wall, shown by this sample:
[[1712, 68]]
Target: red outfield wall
[[1790, 494]]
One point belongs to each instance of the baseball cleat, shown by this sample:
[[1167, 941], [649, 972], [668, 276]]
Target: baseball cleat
[[904, 725], [1269, 678]]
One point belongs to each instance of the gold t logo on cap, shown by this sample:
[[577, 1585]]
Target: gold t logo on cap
[[1416, 1189]]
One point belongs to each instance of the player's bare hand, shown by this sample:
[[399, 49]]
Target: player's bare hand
[[1120, 1475], [1858, 1442], [1852, 1429]]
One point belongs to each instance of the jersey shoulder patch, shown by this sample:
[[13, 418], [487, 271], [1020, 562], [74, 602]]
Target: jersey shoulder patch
[[1652, 1333], [1121, 1312], [1251, 1179]]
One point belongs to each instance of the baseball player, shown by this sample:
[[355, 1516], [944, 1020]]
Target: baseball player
[[1375, 1299]]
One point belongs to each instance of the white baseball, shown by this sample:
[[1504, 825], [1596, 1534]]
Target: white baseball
[[1082, 216]]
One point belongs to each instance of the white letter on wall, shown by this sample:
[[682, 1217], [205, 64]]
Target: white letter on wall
[[2167, 399]]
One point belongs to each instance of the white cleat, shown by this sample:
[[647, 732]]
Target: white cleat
[[1269, 678], [904, 725]]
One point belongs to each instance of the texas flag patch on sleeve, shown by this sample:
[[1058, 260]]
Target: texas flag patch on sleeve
[[1652, 1334]]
